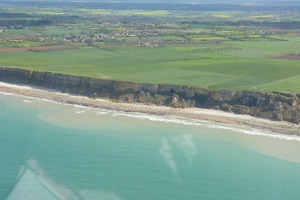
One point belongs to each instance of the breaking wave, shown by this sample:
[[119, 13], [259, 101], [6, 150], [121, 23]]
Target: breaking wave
[[207, 124], [171, 119]]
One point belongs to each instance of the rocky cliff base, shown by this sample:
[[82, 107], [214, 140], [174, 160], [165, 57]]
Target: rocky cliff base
[[270, 105]]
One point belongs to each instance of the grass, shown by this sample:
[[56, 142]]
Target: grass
[[208, 38], [171, 38], [290, 84], [166, 65], [197, 55], [272, 46], [124, 12], [60, 31], [20, 31]]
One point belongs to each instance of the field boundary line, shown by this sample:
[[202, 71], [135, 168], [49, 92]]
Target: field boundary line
[[281, 80]]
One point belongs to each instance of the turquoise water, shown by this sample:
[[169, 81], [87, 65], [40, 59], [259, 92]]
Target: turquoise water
[[53, 151]]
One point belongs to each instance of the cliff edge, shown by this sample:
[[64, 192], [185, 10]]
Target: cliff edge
[[270, 105]]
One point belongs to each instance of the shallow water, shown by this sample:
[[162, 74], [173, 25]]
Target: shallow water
[[54, 151]]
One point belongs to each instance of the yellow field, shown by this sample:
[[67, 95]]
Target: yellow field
[[96, 11], [48, 13], [208, 38], [144, 12], [221, 16]]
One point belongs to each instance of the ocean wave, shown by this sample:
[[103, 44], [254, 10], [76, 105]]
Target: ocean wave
[[7, 94], [172, 119], [79, 106], [207, 124], [103, 112], [22, 96], [158, 118], [271, 134]]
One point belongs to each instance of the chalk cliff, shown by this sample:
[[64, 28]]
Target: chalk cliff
[[270, 105]]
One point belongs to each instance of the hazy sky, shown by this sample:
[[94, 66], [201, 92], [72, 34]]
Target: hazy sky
[[181, 1], [204, 1]]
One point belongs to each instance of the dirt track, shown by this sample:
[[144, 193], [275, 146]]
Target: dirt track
[[288, 57]]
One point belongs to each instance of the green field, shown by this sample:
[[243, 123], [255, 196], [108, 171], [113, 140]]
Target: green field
[[173, 65], [232, 50]]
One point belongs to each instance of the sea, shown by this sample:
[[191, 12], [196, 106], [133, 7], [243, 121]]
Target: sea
[[54, 151]]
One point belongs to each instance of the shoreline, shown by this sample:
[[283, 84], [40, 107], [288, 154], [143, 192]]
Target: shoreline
[[274, 127]]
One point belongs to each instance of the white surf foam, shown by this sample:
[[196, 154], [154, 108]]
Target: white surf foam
[[176, 120], [207, 124], [103, 112], [7, 94], [79, 106]]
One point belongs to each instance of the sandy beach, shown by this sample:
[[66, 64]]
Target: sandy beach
[[273, 127]]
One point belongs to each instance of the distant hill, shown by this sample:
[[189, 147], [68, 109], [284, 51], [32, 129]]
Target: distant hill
[[179, 5]]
